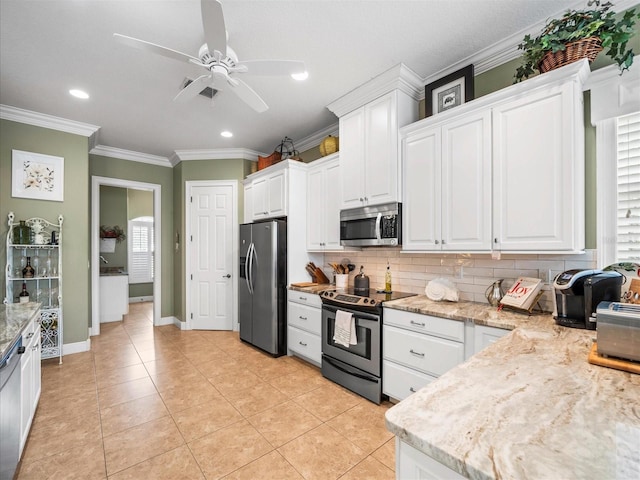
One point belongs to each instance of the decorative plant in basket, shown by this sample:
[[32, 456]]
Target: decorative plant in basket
[[113, 232], [579, 34]]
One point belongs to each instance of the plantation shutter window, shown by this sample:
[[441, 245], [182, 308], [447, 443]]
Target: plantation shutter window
[[628, 180], [141, 261]]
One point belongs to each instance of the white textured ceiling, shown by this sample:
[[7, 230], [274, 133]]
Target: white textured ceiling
[[50, 46]]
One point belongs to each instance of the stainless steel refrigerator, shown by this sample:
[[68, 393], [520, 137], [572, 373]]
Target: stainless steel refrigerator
[[262, 285]]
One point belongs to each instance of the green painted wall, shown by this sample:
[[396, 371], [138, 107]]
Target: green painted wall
[[139, 203], [163, 176], [113, 211], [75, 209], [233, 169]]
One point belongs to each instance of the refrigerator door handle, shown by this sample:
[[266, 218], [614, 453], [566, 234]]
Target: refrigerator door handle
[[250, 273], [247, 268]]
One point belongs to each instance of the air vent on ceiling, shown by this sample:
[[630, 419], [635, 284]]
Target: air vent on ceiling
[[207, 92]]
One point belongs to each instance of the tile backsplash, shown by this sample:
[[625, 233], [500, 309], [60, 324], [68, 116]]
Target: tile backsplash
[[471, 273]]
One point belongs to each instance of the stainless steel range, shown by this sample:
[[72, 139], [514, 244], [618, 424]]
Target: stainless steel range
[[357, 367]]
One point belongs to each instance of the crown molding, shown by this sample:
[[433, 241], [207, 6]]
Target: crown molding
[[113, 152], [313, 140], [399, 77], [20, 115], [507, 49], [215, 154]]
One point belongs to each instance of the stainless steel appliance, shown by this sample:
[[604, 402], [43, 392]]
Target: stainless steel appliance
[[377, 225], [262, 285], [356, 367], [577, 294], [10, 410], [619, 330]]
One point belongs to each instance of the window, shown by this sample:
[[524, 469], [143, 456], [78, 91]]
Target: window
[[141, 259], [628, 188]]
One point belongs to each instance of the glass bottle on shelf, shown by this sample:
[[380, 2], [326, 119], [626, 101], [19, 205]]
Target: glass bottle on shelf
[[27, 271], [24, 295], [21, 234]]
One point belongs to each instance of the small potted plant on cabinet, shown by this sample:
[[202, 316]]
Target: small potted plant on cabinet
[[109, 236], [579, 34]]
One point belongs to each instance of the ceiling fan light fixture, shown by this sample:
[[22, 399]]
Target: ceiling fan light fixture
[[226, 134], [300, 76], [79, 93]]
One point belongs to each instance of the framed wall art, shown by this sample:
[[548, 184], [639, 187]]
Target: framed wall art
[[37, 176], [449, 91]]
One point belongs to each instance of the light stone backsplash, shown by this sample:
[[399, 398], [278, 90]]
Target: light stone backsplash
[[471, 273]]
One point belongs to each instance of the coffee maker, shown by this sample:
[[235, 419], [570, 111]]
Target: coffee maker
[[577, 294]]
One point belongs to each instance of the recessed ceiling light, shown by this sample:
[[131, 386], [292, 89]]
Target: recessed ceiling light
[[300, 76], [79, 94], [226, 134]]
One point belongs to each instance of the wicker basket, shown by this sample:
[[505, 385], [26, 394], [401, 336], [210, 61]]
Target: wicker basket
[[264, 162], [574, 51]]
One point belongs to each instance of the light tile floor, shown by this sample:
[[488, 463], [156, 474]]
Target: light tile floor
[[159, 403]]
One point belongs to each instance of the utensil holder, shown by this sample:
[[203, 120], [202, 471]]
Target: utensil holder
[[342, 280]]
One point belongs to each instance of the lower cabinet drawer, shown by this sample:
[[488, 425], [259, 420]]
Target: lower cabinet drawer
[[305, 344], [432, 355], [399, 382], [304, 317]]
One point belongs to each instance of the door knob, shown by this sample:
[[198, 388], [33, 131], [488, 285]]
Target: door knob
[[228, 275]]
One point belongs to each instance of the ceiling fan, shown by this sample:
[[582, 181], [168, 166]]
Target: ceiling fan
[[220, 61]]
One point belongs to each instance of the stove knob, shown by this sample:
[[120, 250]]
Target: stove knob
[[373, 302], [331, 294], [366, 300]]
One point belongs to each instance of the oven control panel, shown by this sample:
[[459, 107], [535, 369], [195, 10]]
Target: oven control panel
[[352, 300]]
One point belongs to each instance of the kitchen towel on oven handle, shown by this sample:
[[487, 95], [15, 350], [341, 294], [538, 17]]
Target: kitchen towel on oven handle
[[344, 332]]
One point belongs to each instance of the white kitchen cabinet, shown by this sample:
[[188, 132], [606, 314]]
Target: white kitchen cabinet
[[417, 349], [281, 191], [304, 323], [269, 196], [447, 185], [484, 336], [538, 159], [248, 202], [114, 297], [323, 205], [414, 464], [30, 386], [369, 163], [504, 172]]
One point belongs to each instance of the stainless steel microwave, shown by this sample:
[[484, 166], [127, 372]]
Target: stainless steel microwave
[[374, 226]]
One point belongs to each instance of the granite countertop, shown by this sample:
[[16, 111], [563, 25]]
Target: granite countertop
[[14, 318], [528, 406], [318, 288]]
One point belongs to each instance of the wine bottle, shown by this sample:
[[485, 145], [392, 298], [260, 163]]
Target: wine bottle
[[28, 271], [24, 295]]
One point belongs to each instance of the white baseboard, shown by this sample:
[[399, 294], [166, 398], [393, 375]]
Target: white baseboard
[[77, 347], [148, 298], [181, 325]]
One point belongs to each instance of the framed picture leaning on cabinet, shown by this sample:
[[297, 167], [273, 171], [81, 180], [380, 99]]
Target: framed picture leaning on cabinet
[[449, 91]]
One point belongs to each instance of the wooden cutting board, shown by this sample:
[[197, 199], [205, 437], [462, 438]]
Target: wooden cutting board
[[304, 284], [610, 362]]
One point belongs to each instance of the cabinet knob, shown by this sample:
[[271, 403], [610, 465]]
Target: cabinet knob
[[437, 242], [361, 199], [303, 344], [301, 317], [412, 390], [495, 240], [416, 353], [443, 242]]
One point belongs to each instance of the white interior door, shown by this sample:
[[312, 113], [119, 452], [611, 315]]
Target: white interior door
[[211, 252]]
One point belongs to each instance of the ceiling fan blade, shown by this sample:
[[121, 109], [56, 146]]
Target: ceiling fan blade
[[215, 33], [272, 67], [248, 95], [193, 89], [157, 49]]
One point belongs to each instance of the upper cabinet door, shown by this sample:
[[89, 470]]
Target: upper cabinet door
[[466, 183], [352, 162], [421, 153], [278, 194], [260, 198], [381, 150], [538, 160], [332, 206]]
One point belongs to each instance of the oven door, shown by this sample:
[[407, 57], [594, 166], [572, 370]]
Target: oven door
[[366, 354]]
